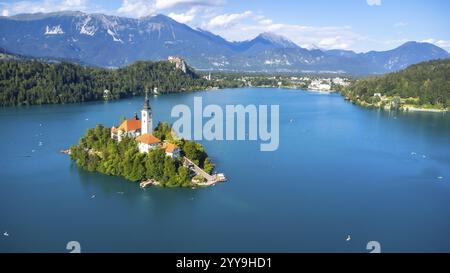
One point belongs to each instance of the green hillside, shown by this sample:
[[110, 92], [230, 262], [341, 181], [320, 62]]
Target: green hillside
[[38, 82], [423, 85]]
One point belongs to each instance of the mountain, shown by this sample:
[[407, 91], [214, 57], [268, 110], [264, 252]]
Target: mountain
[[264, 41], [112, 41], [341, 53], [405, 55]]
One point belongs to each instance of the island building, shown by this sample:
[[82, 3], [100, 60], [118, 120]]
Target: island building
[[142, 131], [171, 150], [128, 128]]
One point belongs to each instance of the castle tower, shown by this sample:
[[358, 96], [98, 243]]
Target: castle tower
[[146, 114]]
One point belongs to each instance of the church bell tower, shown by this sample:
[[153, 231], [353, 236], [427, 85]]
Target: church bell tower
[[146, 117]]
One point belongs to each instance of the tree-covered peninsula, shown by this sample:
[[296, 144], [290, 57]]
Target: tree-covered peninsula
[[421, 86], [28, 82], [96, 151]]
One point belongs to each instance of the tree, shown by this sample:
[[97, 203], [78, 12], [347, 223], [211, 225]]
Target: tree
[[163, 131], [183, 176], [428, 82], [208, 166], [25, 82], [96, 151], [138, 170], [154, 164], [169, 170]]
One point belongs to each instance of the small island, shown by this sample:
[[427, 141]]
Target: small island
[[139, 153]]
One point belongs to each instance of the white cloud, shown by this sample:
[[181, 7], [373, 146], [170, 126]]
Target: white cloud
[[245, 26], [186, 17], [333, 42], [400, 24], [43, 6], [265, 22], [374, 2], [166, 4], [445, 44], [73, 3], [139, 8], [389, 43], [227, 20]]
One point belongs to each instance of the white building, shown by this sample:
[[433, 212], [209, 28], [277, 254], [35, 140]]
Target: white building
[[179, 62], [146, 114], [106, 94], [130, 128], [171, 150], [319, 85], [341, 81], [147, 142]]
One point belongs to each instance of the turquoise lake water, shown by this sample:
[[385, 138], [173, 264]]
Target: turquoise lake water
[[340, 170]]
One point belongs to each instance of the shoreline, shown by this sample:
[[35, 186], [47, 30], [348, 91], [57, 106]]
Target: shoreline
[[361, 104], [403, 108], [96, 101], [417, 109]]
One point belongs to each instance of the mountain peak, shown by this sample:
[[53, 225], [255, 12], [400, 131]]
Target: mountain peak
[[416, 44], [160, 18], [276, 39], [312, 47], [413, 44], [422, 46], [271, 35]]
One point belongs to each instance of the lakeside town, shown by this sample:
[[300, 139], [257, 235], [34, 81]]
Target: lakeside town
[[324, 82], [316, 82]]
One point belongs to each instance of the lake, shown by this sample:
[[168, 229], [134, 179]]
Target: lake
[[339, 170]]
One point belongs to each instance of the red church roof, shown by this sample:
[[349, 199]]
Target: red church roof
[[148, 139], [130, 125], [169, 147]]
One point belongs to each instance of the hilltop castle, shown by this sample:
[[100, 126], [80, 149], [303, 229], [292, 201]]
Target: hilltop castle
[[142, 131], [179, 63]]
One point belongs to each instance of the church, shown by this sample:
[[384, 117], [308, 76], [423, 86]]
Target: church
[[142, 131]]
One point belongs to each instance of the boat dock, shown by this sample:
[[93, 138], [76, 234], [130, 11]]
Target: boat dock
[[210, 179], [148, 183]]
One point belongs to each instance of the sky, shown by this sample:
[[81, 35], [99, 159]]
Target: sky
[[359, 25]]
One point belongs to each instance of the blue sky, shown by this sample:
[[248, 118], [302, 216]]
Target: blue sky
[[359, 25]]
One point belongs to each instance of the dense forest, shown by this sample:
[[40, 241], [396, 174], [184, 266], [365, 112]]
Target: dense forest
[[96, 151], [25, 82], [423, 84]]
